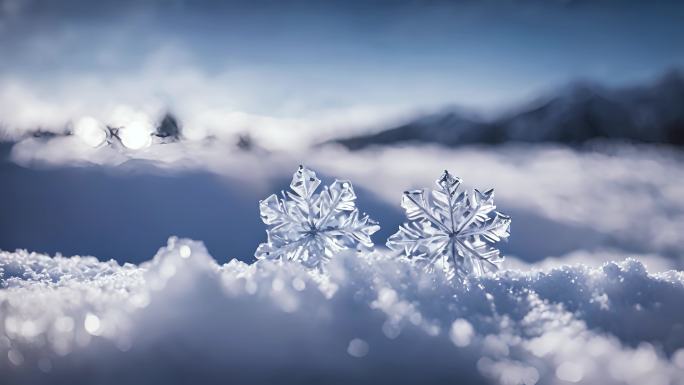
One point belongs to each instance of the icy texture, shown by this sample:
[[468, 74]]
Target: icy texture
[[310, 228], [452, 228], [182, 318]]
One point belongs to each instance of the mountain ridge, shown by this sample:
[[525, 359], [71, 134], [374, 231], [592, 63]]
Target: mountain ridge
[[577, 113]]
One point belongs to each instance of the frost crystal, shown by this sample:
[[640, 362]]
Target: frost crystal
[[452, 228], [311, 228]]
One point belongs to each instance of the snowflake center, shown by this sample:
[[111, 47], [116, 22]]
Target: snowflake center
[[311, 231]]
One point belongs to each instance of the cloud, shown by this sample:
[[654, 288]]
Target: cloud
[[222, 104], [561, 199], [626, 196]]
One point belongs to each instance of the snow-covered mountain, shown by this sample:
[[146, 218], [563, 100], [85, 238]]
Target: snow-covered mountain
[[577, 113]]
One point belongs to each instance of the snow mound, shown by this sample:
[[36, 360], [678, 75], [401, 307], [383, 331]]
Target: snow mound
[[182, 318]]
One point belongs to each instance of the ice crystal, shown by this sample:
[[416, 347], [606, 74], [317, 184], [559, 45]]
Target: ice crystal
[[310, 228], [451, 228]]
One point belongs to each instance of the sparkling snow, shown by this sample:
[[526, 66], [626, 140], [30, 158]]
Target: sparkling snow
[[183, 318]]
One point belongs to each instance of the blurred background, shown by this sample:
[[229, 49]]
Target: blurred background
[[125, 122]]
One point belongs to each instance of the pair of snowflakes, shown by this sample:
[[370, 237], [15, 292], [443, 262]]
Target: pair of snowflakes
[[449, 228]]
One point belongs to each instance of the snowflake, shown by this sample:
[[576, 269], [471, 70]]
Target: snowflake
[[311, 228], [452, 229]]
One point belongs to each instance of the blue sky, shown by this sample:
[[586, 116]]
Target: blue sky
[[311, 60]]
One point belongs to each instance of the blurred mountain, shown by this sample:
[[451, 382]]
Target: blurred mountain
[[169, 128], [577, 113]]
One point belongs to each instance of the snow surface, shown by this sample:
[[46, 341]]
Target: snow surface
[[183, 318]]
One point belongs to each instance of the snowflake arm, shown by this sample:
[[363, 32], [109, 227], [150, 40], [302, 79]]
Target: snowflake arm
[[417, 240], [452, 228], [311, 228]]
